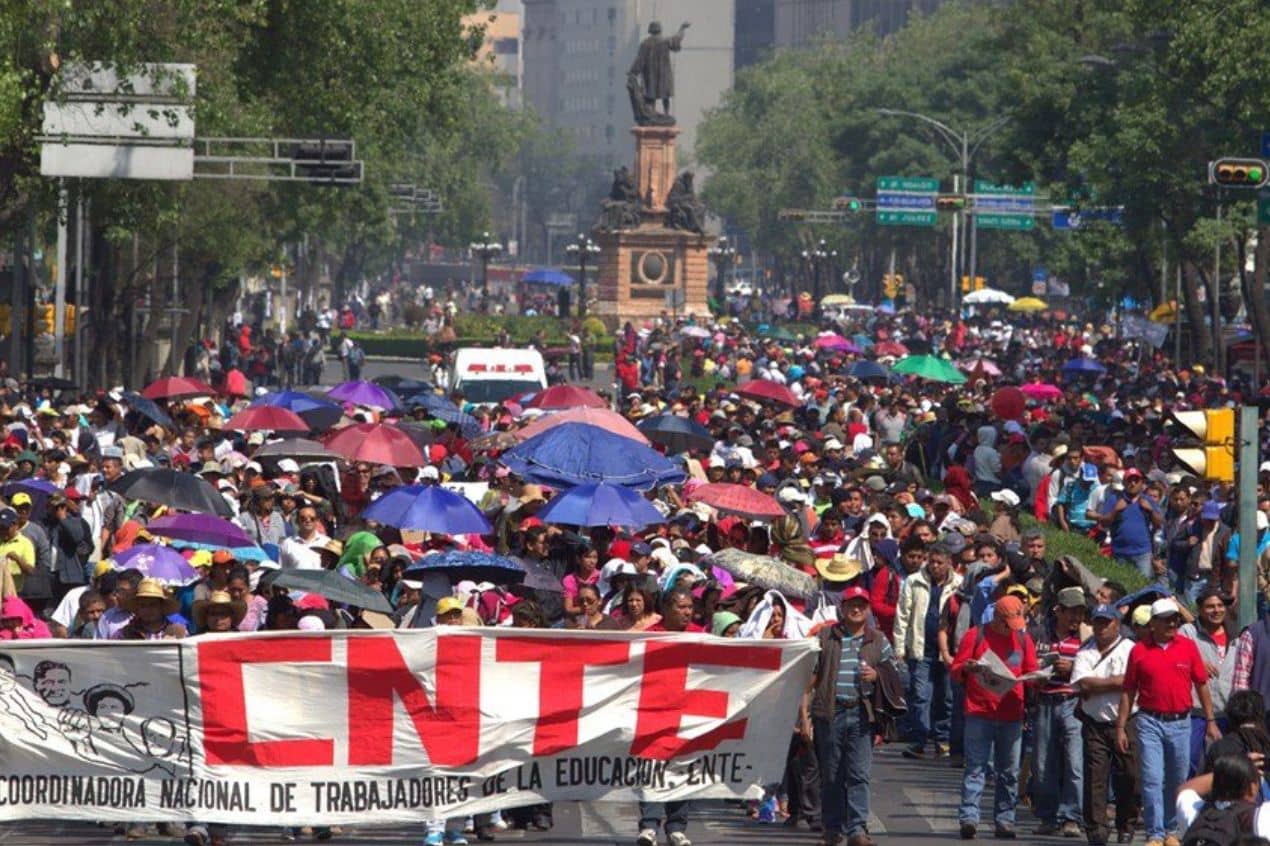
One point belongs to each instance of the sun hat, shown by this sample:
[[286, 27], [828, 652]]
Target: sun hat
[[218, 599], [152, 589], [839, 568]]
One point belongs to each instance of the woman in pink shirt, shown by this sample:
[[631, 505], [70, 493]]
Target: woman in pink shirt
[[587, 572]]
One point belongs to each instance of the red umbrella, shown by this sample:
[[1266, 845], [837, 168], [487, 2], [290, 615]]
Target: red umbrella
[[566, 396], [889, 348], [376, 443], [174, 387], [271, 418], [737, 499], [764, 389], [605, 418]]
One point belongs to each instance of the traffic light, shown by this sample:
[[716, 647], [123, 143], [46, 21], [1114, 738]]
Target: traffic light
[[1215, 430], [891, 283], [791, 214], [852, 204], [329, 162], [979, 283], [965, 284], [950, 202], [1239, 173]]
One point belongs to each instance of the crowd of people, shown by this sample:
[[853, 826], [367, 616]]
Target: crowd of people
[[923, 510]]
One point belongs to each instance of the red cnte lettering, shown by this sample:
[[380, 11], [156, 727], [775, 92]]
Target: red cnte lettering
[[450, 732], [664, 697], [561, 665], [220, 681]]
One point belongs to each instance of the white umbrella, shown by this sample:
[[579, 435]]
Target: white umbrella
[[985, 296]]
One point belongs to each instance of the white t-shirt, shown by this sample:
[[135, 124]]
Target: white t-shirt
[[1103, 707], [68, 608], [295, 553], [1189, 804]]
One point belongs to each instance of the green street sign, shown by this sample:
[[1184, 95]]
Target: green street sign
[[906, 218], [1263, 208], [1016, 222], [982, 186], [922, 184]]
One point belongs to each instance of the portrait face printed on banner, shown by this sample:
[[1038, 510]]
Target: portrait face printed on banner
[[52, 682]]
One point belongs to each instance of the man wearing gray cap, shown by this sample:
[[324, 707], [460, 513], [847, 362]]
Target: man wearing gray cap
[[1057, 758]]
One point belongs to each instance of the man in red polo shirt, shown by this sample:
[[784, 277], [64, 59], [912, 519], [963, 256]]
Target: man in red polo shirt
[[1161, 671]]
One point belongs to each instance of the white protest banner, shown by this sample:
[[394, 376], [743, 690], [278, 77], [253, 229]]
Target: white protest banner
[[322, 728]]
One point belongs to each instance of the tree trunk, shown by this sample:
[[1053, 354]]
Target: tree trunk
[[187, 324], [1196, 315], [1254, 288]]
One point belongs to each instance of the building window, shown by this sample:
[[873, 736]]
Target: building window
[[612, 15], [609, 133]]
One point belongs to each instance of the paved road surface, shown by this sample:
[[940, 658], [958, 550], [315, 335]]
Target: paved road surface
[[914, 804]]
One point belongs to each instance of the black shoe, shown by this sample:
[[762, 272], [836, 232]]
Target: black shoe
[[1125, 836], [485, 833], [542, 822], [1004, 832], [790, 822], [968, 831], [915, 752]]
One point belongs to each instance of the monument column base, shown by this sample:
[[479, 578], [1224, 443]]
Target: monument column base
[[649, 272]]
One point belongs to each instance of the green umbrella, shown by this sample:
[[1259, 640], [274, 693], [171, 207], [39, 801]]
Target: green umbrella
[[930, 367], [779, 333]]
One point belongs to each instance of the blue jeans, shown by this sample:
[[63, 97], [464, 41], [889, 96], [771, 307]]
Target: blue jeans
[[930, 700], [1059, 761], [999, 742], [1142, 562], [845, 749], [676, 814], [956, 735], [1163, 756]]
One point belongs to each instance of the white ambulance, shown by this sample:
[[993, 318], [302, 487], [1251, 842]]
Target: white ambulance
[[489, 375]]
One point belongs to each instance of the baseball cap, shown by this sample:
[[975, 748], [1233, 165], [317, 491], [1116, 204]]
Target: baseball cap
[[854, 592], [1005, 497], [1071, 597], [1166, 607], [1142, 615], [448, 604], [1132, 473], [1105, 612], [1211, 510], [1009, 609], [955, 543], [8, 517], [20, 499]]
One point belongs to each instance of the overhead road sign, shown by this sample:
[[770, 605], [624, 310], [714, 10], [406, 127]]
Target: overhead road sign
[[1004, 206], [1072, 218], [906, 200]]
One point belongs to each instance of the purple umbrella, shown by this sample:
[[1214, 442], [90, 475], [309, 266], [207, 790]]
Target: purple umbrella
[[200, 528], [361, 392], [157, 562], [38, 489]]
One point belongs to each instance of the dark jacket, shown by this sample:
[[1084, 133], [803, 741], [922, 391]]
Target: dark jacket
[[875, 645]]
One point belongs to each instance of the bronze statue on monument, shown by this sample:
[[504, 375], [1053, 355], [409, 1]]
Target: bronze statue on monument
[[651, 77]]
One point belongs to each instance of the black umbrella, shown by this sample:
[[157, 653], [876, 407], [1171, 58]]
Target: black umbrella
[[332, 585], [677, 434], [173, 488], [538, 577], [300, 449], [53, 383], [148, 408], [402, 385]]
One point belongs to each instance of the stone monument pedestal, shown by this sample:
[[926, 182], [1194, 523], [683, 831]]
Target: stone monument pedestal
[[650, 269]]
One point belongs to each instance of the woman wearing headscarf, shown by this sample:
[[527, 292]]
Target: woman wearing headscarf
[[357, 553], [789, 543], [17, 622], [957, 484], [881, 577], [774, 618]]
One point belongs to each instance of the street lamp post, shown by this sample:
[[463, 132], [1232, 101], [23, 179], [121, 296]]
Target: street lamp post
[[581, 249], [818, 256], [965, 145], [485, 249], [724, 254]]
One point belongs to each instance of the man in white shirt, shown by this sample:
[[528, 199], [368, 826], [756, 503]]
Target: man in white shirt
[[301, 551], [1098, 676]]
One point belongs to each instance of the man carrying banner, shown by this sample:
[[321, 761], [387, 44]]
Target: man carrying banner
[[835, 715], [676, 616]]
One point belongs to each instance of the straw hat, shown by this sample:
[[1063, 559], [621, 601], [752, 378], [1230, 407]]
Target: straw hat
[[839, 568], [152, 589], [218, 599]]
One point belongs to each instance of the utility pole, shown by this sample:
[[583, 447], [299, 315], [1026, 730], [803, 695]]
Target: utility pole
[[1218, 357]]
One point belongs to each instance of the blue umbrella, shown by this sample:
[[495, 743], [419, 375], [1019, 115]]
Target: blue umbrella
[[601, 504], [318, 413], [38, 489], [240, 553], [467, 424], [677, 434], [428, 508], [866, 369], [147, 408], [862, 341], [428, 401], [577, 453], [1083, 365], [477, 566], [547, 276]]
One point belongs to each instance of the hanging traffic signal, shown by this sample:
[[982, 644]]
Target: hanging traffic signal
[[791, 214], [979, 283], [852, 204], [965, 284], [950, 202], [1215, 430], [1238, 173], [891, 283]]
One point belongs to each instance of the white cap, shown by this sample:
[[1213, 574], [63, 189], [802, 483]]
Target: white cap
[[412, 584], [790, 494], [288, 465], [430, 472], [254, 465], [1006, 496], [717, 461], [833, 443], [311, 623], [1164, 608]]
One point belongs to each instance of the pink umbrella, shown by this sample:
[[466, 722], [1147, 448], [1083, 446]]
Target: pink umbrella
[[376, 443], [837, 343], [982, 366], [737, 499], [266, 417], [565, 396], [765, 389], [1041, 391], [604, 418]]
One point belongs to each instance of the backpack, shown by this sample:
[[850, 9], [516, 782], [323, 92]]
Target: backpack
[[1220, 826], [356, 356]]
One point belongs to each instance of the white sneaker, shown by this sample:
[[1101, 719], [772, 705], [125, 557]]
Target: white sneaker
[[647, 837], [678, 838]]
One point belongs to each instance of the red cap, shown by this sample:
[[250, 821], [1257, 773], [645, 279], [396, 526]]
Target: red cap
[[530, 522], [72, 493], [1132, 473], [855, 592]]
